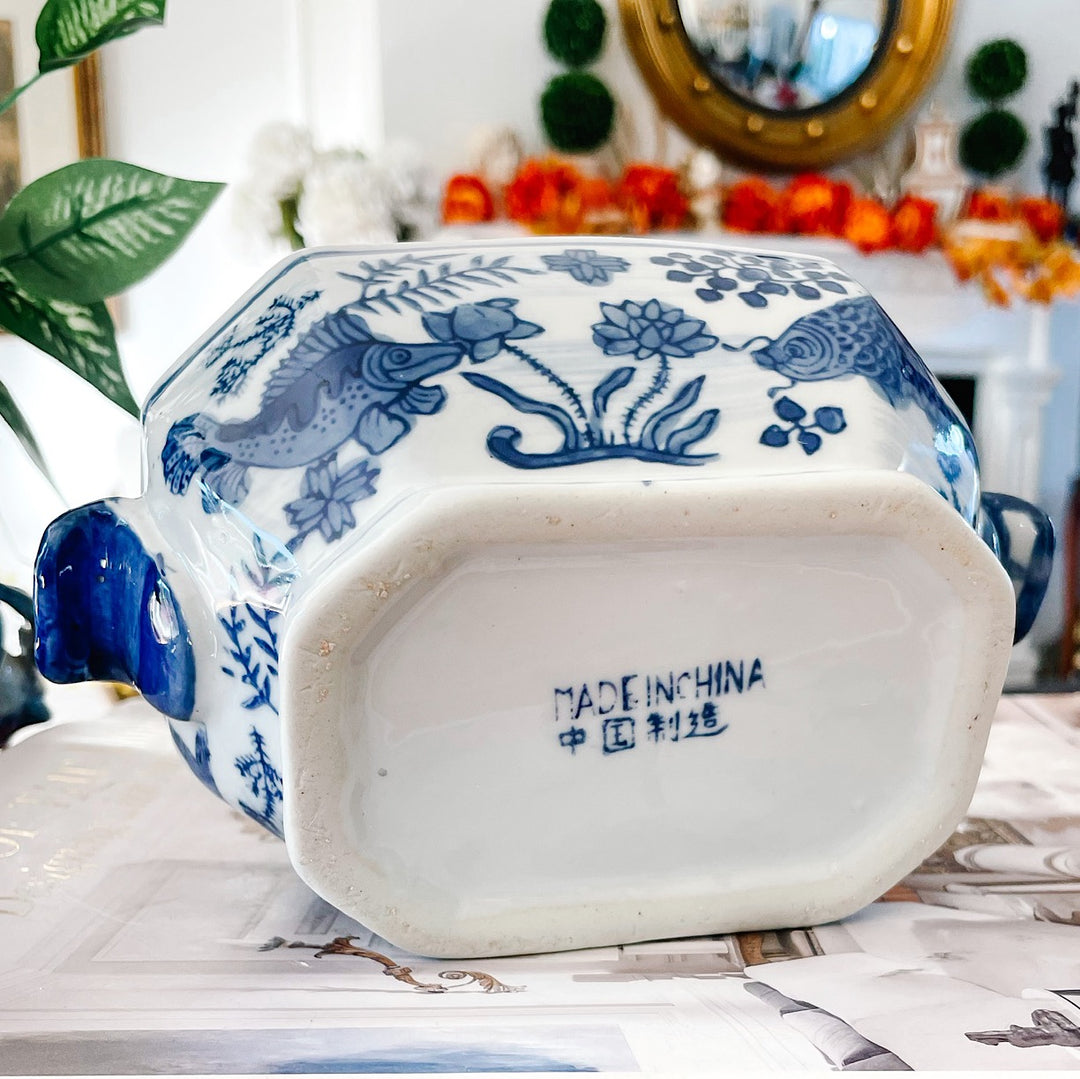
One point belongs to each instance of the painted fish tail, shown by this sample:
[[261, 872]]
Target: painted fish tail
[[225, 480], [184, 446]]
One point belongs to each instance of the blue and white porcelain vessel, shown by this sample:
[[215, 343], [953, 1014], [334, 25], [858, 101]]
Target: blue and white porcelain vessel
[[556, 593]]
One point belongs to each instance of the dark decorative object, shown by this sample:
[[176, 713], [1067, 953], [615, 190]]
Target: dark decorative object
[[996, 70], [578, 112], [995, 140], [1059, 164], [21, 700], [574, 31]]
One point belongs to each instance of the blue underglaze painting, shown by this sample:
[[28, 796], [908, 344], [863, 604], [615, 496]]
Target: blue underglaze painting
[[342, 384], [754, 278], [197, 758], [807, 432], [642, 331], [263, 782], [420, 282], [252, 651], [855, 337], [587, 266], [241, 349]]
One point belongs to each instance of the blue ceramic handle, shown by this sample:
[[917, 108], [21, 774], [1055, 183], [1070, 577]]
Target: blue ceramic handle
[[104, 611], [1022, 537]]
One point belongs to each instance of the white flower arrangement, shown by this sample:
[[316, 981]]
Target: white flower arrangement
[[296, 194]]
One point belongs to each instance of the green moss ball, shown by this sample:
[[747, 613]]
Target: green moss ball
[[574, 31], [997, 70], [577, 111], [993, 143]]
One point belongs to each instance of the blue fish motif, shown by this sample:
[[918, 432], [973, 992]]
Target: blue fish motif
[[855, 337], [341, 381]]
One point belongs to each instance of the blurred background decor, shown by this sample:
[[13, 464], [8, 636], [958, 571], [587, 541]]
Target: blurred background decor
[[1059, 163], [993, 142], [577, 110], [298, 196]]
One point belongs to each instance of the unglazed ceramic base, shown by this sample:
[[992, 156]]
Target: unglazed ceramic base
[[536, 717]]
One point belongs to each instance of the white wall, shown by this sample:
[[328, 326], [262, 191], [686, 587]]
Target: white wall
[[187, 99], [449, 66], [182, 100]]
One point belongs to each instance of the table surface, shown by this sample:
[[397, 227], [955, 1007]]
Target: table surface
[[146, 928]]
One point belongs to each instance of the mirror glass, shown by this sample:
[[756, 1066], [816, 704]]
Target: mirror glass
[[785, 55]]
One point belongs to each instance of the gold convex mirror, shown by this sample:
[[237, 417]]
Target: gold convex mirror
[[788, 84]]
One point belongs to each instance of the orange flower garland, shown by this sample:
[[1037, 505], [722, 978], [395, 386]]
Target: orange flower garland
[[1010, 247], [467, 201], [1013, 248], [868, 226], [1045, 218], [753, 205], [914, 222], [651, 198], [818, 205], [546, 196]]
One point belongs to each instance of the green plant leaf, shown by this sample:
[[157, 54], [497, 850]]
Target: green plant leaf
[[13, 417], [68, 30], [80, 336], [94, 228]]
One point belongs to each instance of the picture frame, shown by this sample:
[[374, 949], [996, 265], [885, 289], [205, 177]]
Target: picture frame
[[55, 122]]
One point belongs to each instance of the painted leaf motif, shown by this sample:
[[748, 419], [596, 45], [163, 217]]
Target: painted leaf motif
[[830, 419], [95, 228], [681, 440], [68, 30], [656, 430], [774, 435], [13, 417], [611, 384], [789, 410], [80, 336], [571, 435]]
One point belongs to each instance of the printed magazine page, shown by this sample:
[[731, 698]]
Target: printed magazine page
[[147, 928]]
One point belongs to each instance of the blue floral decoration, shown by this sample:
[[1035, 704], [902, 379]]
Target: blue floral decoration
[[481, 328], [247, 656], [198, 759], [242, 353], [827, 420], [753, 278], [326, 499], [650, 329], [587, 266], [264, 782]]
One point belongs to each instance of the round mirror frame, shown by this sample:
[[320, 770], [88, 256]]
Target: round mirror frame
[[905, 61]]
